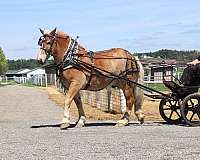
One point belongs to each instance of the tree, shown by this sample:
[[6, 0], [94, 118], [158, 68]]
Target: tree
[[3, 62], [23, 63]]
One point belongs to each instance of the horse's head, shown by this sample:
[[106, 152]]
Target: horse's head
[[46, 43]]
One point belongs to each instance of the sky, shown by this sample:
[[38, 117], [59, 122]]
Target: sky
[[136, 25]]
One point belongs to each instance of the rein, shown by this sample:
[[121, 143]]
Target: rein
[[70, 60]]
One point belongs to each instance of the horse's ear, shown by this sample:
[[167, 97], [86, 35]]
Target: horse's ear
[[41, 31], [53, 32]]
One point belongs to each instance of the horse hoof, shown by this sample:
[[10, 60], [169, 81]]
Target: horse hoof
[[142, 121], [119, 125], [64, 125], [122, 122], [80, 125]]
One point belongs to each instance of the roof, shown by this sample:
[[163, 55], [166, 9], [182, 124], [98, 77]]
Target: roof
[[20, 71], [170, 61], [11, 72], [35, 70], [23, 71]]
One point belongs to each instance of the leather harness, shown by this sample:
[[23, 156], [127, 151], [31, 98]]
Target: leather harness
[[70, 61]]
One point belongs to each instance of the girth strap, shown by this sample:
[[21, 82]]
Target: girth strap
[[91, 55]]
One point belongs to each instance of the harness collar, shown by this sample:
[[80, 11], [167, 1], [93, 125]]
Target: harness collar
[[68, 59]]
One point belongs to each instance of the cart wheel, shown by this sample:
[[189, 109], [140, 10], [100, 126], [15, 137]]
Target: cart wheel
[[190, 109], [170, 111]]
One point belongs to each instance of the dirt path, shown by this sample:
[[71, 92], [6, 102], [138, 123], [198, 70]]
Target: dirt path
[[151, 108], [24, 104], [29, 130]]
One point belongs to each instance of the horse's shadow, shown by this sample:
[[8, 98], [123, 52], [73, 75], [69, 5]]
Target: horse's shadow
[[72, 125], [100, 124]]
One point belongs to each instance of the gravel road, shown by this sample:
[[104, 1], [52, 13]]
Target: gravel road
[[29, 130]]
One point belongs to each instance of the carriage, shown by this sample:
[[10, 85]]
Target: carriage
[[79, 69], [182, 104]]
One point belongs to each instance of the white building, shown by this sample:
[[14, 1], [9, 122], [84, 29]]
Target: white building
[[35, 72]]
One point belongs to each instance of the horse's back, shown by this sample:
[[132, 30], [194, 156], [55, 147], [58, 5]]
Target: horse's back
[[112, 53], [113, 60]]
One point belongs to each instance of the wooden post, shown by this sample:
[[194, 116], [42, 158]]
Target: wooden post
[[122, 101], [41, 80], [98, 100], [89, 99], [45, 80], [38, 80], [55, 80], [109, 93]]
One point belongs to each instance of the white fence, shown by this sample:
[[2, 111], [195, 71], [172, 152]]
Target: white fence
[[38, 80], [50, 79]]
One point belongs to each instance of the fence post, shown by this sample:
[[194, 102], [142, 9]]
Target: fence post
[[55, 80], [98, 100], [89, 99], [41, 79], [45, 80], [122, 101], [109, 92]]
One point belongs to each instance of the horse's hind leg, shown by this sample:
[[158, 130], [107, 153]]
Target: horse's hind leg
[[82, 118], [139, 95], [128, 93]]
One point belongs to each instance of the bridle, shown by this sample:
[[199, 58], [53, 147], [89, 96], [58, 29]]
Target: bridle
[[72, 59], [70, 52], [41, 40]]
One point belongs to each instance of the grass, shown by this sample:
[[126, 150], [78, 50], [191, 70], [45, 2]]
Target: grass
[[28, 84], [157, 86], [9, 82]]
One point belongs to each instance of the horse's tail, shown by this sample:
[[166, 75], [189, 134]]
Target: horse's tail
[[138, 93], [141, 71]]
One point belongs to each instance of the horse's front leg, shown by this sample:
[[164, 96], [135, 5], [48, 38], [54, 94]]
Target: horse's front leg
[[82, 117], [73, 90]]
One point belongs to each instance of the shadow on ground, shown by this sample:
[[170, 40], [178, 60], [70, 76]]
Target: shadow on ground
[[102, 124]]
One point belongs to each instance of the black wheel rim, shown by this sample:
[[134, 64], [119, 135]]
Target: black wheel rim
[[170, 111], [192, 105]]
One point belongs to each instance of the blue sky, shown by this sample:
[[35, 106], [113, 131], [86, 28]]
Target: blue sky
[[136, 25]]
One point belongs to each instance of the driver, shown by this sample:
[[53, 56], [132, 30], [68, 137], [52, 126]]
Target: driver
[[195, 62]]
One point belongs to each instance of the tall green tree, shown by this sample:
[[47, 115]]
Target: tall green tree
[[3, 62]]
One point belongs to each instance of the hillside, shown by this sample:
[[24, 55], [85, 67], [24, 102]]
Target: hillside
[[164, 53], [172, 54]]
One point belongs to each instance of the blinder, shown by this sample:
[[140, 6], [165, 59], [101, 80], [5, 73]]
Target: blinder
[[42, 39]]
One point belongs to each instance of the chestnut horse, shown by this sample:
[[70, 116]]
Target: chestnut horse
[[81, 70]]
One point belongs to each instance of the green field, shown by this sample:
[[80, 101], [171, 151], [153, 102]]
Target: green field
[[157, 86]]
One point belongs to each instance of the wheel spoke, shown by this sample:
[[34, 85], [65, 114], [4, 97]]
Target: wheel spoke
[[192, 104], [179, 103], [178, 114], [170, 116], [170, 103], [192, 116], [198, 114]]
